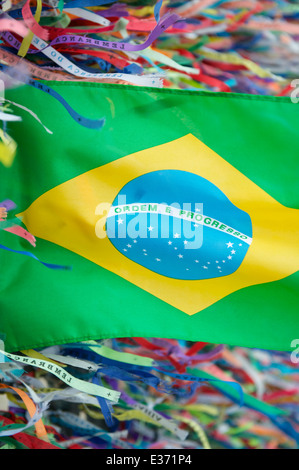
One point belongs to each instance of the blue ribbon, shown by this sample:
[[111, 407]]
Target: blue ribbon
[[86, 3], [157, 10], [89, 123], [27, 253], [106, 408]]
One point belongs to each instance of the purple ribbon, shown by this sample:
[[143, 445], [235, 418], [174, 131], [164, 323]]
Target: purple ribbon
[[8, 204], [165, 22]]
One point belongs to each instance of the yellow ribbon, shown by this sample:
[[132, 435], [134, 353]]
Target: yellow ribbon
[[197, 429], [8, 149], [27, 39]]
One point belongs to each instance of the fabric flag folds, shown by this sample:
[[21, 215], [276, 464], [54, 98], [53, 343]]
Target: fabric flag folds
[[179, 218]]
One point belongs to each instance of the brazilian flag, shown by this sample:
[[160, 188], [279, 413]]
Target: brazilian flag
[[178, 218]]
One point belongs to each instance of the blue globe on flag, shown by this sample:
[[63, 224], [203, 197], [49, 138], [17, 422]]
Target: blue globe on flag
[[179, 225]]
